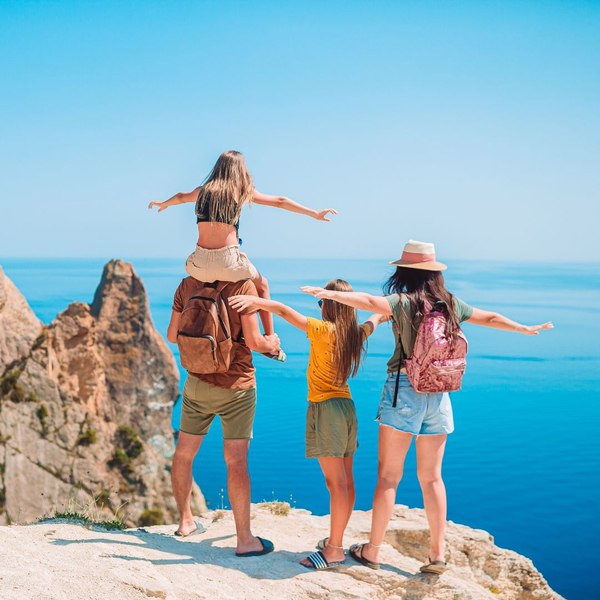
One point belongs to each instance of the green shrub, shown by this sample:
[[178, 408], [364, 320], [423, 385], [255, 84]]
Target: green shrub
[[87, 438], [122, 462], [10, 389], [102, 498], [81, 518], [8, 382], [129, 441], [151, 516], [18, 394], [129, 447], [42, 415]]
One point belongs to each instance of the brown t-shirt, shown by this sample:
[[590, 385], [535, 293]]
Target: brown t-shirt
[[241, 371]]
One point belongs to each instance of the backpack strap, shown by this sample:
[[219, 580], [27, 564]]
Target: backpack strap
[[217, 285], [402, 356]]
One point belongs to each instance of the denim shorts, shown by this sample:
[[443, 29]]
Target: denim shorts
[[416, 413]]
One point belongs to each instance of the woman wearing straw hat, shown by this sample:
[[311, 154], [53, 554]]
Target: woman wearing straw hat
[[405, 413]]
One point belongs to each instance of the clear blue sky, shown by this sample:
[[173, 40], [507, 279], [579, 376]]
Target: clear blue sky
[[475, 125]]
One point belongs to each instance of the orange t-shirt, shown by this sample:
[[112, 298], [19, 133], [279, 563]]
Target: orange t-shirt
[[321, 371]]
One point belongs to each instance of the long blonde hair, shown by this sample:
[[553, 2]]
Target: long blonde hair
[[349, 338], [227, 188]]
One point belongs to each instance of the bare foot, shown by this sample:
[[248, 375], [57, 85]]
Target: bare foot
[[254, 545], [186, 526]]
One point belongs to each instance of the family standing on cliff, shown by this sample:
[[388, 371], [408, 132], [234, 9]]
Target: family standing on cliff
[[214, 322]]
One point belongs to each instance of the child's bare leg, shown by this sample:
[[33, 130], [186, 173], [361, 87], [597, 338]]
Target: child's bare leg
[[336, 480], [262, 287]]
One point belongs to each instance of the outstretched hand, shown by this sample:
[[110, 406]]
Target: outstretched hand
[[242, 302], [322, 214], [161, 205], [535, 329], [317, 292]]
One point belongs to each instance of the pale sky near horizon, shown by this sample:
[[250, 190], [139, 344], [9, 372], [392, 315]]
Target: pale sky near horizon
[[475, 125]]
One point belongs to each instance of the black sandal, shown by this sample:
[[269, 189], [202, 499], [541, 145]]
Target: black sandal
[[356, 553], [267, 547]]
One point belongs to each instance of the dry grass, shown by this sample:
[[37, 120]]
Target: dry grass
[[281, 509], [88, 514]]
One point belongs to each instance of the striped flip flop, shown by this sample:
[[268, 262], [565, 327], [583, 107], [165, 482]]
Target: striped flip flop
[[319, 563]]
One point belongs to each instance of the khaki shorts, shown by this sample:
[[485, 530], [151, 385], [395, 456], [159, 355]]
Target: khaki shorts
[[331, 428], [202, 402], [220, 264]]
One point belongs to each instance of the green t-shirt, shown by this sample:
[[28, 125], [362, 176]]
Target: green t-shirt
[[402, 316]]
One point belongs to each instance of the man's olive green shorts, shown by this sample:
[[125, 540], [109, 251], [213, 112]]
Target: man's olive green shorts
[[331, 428], [202, 402]]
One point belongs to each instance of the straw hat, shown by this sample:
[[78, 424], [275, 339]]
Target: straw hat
[[419, 255]]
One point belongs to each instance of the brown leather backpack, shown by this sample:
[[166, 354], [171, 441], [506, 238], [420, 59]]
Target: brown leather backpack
[[204, 336]]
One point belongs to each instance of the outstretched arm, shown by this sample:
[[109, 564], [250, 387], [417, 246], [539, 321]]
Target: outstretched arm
[[376, 304], [180, 198], [498, 321], [285, 312], [375, 320], [287, 204]]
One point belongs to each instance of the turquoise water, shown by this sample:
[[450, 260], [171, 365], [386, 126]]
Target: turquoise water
[[523, 461]]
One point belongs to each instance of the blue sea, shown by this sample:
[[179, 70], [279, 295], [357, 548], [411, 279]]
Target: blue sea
[[523, 460]]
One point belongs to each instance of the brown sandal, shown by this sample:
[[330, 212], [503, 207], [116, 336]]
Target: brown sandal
[[435, 567], [356, 553]]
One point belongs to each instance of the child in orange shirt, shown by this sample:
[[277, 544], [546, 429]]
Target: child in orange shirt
[[337, 346]]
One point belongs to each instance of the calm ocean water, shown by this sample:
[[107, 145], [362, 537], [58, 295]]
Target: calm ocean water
[[523, 460]]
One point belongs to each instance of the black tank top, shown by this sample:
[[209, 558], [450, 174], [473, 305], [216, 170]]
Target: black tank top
[[203, 216]]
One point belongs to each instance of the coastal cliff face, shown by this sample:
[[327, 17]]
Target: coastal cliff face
[[152, 563], [19, 327], [85, 406]]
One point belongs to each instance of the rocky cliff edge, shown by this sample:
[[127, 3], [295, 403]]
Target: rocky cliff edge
[[52, 561], [85, 407]]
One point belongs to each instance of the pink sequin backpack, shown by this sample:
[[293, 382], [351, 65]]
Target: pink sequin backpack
[[437, 363]]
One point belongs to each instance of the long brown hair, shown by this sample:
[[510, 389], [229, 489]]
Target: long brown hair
[[226, 189], [424, 286], [349, 339]]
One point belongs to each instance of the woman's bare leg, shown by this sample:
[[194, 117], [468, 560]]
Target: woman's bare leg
[[348, 462], [430, 453], [393, 446], [262, 287], [335, 477]]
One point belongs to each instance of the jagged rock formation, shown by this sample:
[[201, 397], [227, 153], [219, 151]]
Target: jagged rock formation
[[19, 327], [151, 563], [85, 405]]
